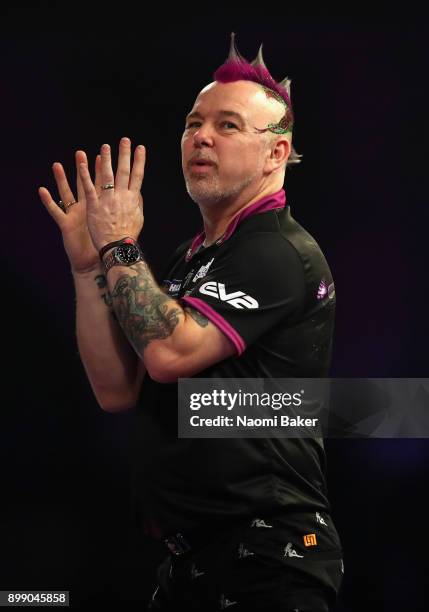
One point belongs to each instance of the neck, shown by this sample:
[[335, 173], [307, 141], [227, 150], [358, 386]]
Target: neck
[[217, 218]]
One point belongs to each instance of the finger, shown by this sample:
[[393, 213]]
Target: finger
[[88, 186], [51, 206], [106, 165], [64, 190], [137, 173], [80, 157], [98, 174], [123, 172]]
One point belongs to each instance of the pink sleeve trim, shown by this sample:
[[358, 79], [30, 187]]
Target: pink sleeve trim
[[217, 320]]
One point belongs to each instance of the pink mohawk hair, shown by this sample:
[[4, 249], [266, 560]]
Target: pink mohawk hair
[[237, 68]]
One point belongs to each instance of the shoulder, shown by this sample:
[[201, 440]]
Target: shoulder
[[262, 250]]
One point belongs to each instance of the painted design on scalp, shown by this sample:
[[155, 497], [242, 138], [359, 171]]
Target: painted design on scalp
[[286, 122], [237, 68]]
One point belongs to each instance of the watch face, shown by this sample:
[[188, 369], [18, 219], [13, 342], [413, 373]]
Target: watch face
[[127, 254]]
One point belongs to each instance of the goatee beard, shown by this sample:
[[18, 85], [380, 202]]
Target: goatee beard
[[206, 194]]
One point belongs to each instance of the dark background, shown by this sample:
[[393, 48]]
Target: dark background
[[74, 77]]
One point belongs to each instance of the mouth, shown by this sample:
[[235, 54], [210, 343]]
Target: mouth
[[201, 163]]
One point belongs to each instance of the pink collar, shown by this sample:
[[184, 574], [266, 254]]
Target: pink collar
[[269, 202]]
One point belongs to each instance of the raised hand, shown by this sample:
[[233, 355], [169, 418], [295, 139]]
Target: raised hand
[[71, 219], [117, 210]]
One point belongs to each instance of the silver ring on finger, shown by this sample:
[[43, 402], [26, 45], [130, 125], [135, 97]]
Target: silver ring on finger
[[108, 186]]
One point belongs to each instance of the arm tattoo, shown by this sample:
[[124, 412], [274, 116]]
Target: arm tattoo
[[143, 310], [101, 281], [197, 316]]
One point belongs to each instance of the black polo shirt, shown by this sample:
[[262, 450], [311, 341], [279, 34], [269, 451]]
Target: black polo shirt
[[268, 287]]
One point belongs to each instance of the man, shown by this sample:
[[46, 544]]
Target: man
[[247, 521]]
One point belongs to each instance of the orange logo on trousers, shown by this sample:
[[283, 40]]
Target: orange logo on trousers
[[310, 539]]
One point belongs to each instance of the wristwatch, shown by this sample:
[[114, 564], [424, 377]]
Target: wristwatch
[[125, 254]]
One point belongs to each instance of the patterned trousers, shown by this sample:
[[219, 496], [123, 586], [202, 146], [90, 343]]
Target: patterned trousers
[[259, 566]]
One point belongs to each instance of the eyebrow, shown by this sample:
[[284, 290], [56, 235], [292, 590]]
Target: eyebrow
[[228, 113]]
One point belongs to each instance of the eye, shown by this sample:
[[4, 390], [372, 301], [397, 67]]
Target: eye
[[192, 124], [229, 124]]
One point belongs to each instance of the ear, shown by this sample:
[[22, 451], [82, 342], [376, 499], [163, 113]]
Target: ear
[[278, 154]]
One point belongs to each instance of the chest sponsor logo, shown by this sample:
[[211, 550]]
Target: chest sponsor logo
[[173, 286], [238, 299], [202, 271], [188, 279]]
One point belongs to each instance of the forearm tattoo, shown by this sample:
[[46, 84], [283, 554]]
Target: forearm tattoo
[[144, 311], [197, 316], [101, 281]]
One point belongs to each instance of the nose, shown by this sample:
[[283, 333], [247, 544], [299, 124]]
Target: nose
[[203, 136]]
